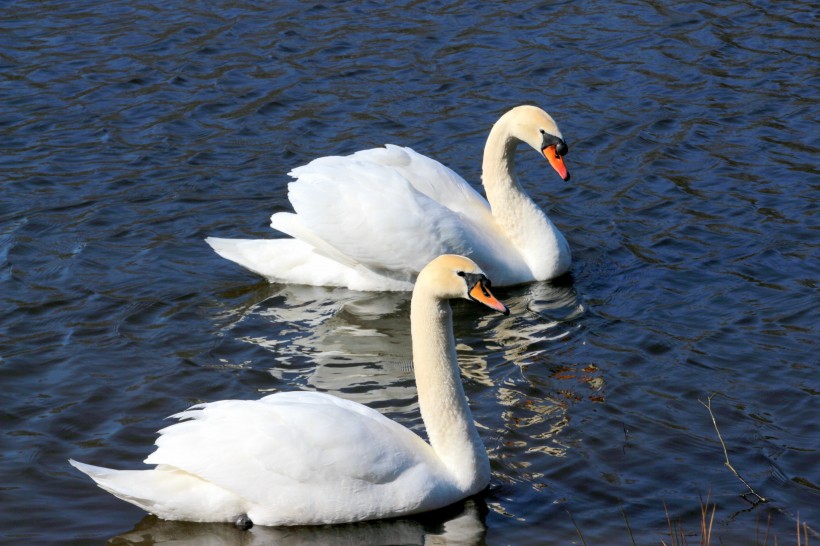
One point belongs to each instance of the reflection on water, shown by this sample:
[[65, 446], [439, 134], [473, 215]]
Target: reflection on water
[[461, 524], [352, 344], [338, 327], [541, 315]]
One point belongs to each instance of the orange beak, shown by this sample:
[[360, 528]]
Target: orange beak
[[482, 294], [556, 161]]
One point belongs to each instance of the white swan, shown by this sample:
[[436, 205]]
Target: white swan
[[302, 458], [372, 220]]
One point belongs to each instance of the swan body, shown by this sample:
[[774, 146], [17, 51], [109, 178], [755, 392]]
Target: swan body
[[303, 458], [373, 219]]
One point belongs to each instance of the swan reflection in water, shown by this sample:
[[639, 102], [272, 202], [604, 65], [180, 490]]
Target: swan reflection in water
[[461, 524], [352, 344], [357, 344]]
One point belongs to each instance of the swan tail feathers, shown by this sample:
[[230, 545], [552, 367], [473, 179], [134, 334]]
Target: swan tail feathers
[[292, 261], [166, 492], [271, 258], [133, 486]]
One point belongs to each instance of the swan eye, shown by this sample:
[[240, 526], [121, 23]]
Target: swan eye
[[460, 273], [543, 132]]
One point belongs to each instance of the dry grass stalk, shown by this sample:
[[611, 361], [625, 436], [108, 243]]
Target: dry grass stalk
[[805, 533], [706, 532]]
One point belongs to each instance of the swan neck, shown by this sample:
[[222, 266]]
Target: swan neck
[[541, 245], [443, 405], [498, 167]]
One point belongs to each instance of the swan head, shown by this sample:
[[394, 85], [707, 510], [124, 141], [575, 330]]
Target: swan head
[[532, 125], [451, 276]]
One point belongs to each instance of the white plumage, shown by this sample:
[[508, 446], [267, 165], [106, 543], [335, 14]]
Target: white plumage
[[292, 458], [373, 219], [302, 458]]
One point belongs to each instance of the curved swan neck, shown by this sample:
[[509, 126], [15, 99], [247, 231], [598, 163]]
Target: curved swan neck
[[542, 246], [442, 402], [498, 166]]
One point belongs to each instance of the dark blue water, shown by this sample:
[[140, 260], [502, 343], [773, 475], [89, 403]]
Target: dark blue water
[[129, 131]]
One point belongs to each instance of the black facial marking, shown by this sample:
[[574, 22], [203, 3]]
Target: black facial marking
[[477, 279], [548, 140]]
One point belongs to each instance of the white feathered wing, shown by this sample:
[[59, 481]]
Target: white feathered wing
[[372, 221], [283, 460]]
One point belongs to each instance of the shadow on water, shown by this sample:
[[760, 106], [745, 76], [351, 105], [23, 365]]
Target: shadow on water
[[461, 523]]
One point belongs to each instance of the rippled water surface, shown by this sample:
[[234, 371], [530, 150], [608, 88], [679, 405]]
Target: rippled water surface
[[129, 131]]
